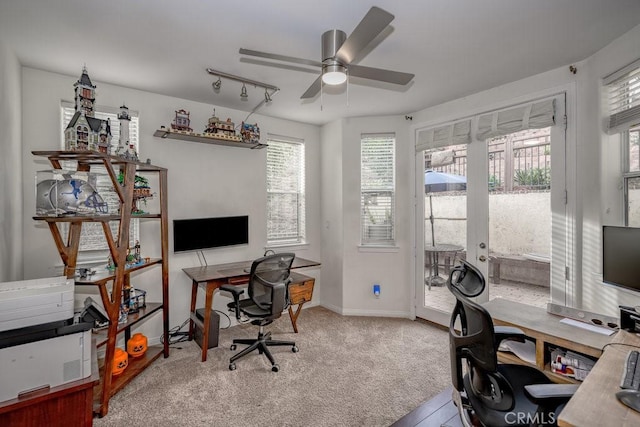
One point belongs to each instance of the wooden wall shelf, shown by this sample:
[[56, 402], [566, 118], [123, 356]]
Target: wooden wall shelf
[[198, 137]]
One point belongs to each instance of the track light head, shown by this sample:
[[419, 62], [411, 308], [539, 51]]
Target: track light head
[[243, 93], [267, 97]]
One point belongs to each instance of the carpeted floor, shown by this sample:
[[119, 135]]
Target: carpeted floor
[[350, 371]]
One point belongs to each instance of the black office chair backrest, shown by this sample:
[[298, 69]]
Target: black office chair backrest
[[269, 280], [474, 340]]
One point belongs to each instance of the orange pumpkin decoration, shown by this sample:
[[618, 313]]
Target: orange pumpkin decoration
[[120, 361], [137, 345]]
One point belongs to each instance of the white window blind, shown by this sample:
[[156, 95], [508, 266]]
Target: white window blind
[[377, 189], [442, 136], [92, 238], [285, 190], [535, 115], [623, 89]]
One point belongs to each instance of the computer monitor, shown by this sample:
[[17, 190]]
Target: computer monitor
[[621, 257], [206, 233]]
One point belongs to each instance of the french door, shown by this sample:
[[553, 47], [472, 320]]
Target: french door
[[508, 219]]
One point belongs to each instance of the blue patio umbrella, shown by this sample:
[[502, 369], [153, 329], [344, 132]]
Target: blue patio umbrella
[[440, 181]]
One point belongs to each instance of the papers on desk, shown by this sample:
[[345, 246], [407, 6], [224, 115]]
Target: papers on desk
[[524, 350], [588, 326]]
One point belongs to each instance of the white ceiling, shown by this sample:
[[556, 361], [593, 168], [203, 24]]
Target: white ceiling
[[454, 47]]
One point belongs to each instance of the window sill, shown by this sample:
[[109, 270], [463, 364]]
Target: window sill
[[372, 248], [292, 246]]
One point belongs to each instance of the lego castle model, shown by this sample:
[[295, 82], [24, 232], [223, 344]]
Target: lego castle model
[[86, 132]]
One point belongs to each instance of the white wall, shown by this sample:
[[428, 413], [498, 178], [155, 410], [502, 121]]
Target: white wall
[[203, 180], [332, 222], [356, 269], [10, 167]]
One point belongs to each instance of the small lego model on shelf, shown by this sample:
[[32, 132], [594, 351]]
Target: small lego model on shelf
[[216, 128], [141, 192], [182, 122], [250, 133]]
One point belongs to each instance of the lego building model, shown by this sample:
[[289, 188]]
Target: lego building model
[[84, 131]]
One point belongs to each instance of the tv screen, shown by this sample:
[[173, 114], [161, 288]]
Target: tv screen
[[621, 257], [204, 233]]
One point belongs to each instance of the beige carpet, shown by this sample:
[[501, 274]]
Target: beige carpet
[[350, 371]]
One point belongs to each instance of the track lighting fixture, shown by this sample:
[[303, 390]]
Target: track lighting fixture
[[243, 93]]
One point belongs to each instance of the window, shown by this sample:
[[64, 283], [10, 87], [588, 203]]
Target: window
[[377, 189], [285, 191], [631, 176], [92, 235], [623, 90]]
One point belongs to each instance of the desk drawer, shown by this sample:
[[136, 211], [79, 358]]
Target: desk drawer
[[301, 292]]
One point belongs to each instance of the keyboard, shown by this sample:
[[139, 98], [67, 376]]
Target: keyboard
[[631, 373]]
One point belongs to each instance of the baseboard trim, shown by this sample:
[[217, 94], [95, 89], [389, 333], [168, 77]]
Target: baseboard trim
[[368, 313]]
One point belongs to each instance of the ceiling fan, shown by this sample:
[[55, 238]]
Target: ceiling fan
[[338, 52]]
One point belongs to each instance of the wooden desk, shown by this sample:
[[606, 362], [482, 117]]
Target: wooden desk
[[595, 402], [547, 331], [211, 277]]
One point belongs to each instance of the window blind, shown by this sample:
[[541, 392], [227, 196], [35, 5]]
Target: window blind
[[623, 98], [535, 115], [285, 190], [442, 136], [377, 184]]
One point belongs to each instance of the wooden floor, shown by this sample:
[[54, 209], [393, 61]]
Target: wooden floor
[[437, 412]]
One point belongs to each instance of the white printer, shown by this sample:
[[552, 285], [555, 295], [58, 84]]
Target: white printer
[[40, 345], [36, 301]]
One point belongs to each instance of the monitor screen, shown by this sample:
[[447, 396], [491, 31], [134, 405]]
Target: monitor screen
[[204, 233], [621, 257]]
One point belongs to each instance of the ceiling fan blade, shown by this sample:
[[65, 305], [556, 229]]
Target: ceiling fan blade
[[313, 89], [371, 25], [280, 57], [388, 76]]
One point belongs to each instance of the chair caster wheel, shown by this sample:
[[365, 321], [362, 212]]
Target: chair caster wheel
[[233, 347], [294, 349], [275, 368], [232, 366]]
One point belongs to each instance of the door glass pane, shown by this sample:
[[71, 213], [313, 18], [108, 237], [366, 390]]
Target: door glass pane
[[520, 217], [445, 221]]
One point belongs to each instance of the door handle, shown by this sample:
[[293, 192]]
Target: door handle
[[482, 245], [482, 258]]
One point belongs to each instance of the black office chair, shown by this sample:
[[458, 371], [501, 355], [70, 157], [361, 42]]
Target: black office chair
[[268, 297], [488, 393]]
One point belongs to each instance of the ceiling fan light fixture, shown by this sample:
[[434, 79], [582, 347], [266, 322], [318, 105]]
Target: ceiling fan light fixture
[[334, 74]]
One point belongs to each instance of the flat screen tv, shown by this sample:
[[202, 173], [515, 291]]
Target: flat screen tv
[[621, 257], [205, 233]]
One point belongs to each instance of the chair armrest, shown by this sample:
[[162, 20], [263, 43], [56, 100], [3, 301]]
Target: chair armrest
[[551, 391], [507, 333], [235, 292]]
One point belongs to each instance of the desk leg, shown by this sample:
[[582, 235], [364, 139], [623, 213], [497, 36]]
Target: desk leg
[[294, 316], [208, 302], [194, 294]]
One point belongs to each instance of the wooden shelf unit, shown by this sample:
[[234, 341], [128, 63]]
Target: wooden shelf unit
[[111, 284], [546, 331], [198, 137]]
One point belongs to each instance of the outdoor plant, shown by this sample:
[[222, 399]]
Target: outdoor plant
[[534, 177]]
